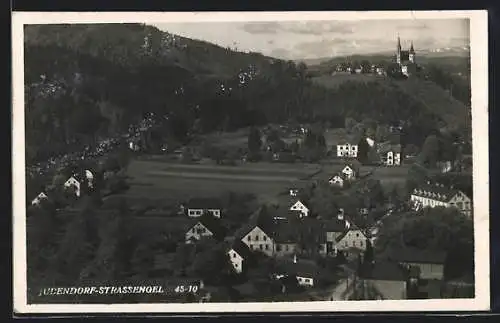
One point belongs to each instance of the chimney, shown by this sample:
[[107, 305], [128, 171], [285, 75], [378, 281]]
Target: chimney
[[340, 214]]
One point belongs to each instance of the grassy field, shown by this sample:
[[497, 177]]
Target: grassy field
[[333, 81], [168, 182]]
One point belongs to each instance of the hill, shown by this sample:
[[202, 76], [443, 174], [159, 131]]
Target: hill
[[85, 82]]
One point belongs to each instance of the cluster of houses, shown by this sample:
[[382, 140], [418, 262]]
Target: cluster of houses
[[273, 236], [389, 153], [271, 233], [72, 184]]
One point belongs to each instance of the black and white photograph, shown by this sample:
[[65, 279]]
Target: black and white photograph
[[240, 162]]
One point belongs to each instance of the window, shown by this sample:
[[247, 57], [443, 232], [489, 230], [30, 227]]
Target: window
[[261, 248], [287, 247], [257, 238], [357, 234], [267, 247], [234, 255], [251, 246], [460, 205], [236, 265], [265, 238], [278, 247], [249, 238]]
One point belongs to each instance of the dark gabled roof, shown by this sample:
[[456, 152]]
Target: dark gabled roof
[[283, 233], [213, 224], [384, 270], [261, 218], [334, 225], [204, 203], [414, 255], [241, 249], [354, 164], [436, 191], [306, 268]]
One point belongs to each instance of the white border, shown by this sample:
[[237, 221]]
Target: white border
[[479, 77]]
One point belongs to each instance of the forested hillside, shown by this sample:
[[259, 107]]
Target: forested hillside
[[84, 82]]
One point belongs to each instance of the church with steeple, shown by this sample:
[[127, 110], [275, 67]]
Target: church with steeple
[[406, 59]]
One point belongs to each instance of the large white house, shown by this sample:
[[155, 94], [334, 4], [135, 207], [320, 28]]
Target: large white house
[[300, 208], [347, 150], [433, 195], [263, 234]]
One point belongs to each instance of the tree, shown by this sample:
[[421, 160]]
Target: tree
[[254, 140], [439, 229], [381, 133], [430, 151], [363, 150]]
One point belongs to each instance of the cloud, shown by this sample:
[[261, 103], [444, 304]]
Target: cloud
[[299, 27], [281, 53], [261, 27]]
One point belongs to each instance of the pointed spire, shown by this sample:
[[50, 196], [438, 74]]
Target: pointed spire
[[399, 43], [411, 48]]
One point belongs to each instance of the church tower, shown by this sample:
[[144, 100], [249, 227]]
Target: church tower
[[411, 54], [398, 52]]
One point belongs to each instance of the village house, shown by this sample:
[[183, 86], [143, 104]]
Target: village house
[[390, 153], [73, 184], [263, 233], [301, 208], [333, 229], [347, 150], [353, 237], [198, 206], [306, 272], [433, 195], [383, 280], [90, 178], [337, 180], [40, 197], [351, 170], [206, 226], [429, 262], [239, 255]]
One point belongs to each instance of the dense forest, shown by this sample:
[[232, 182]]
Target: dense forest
[[85, 82]]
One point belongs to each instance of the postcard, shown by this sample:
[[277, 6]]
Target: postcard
[[239, 162]]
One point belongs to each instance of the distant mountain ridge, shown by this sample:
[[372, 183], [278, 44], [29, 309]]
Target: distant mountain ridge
[[435, 55]]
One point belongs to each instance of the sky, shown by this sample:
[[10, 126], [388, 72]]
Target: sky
[[318, 39]]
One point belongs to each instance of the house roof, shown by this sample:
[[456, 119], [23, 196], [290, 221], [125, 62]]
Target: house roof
[[414, 255], [204, 203], [303, 267], [334, 225], [354, 164], [261, 218], [384, 270], [435, 191], [241, 249], [213, 224]]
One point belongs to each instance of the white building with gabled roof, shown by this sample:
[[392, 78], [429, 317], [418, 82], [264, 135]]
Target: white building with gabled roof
[[73, 183], [301, 208], [40, 197]]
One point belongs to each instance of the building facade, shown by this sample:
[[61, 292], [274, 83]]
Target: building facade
[[347, 150], [434, 195]]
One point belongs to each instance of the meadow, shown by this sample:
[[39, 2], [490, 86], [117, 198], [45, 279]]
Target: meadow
[[172, 183]]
